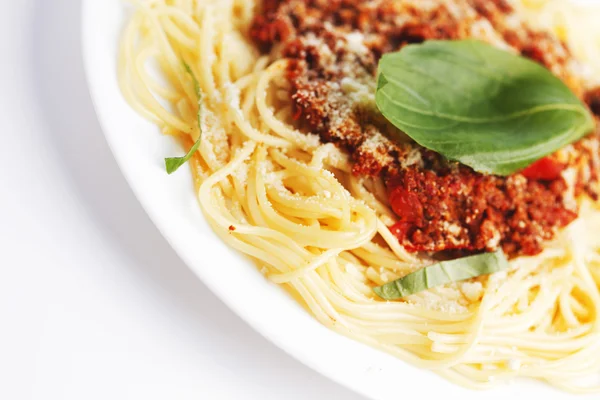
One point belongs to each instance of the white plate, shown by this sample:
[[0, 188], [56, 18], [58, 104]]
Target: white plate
[[170, 202]]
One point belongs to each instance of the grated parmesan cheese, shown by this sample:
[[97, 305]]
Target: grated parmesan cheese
[[356, 44]]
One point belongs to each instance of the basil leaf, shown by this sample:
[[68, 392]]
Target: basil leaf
[[487, 108], [188, 69], [172, 164], [442, 273]]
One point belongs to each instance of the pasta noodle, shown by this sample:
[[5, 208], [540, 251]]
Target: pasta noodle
[[292, 205]]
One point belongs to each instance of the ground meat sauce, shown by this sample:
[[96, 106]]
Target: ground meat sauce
[[592, 98], [334, 47]]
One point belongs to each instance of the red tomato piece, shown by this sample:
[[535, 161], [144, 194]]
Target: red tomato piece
[[545, 169], [406, 205], [400, 230]]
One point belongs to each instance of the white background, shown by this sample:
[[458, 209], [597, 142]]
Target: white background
[[94, 304]]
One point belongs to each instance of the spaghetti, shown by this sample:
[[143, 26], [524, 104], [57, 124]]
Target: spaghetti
[[292, 204]]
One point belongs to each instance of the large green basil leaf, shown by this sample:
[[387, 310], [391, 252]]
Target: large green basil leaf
[[485, 107]]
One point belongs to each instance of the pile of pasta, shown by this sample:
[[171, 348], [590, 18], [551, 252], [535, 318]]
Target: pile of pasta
[[292, 205]]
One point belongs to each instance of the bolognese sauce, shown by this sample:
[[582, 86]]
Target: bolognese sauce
[[334, 47]]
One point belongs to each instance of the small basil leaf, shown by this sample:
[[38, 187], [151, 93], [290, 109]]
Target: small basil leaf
[[172, 164], [188, 69], [485, 107], [442, 273]]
